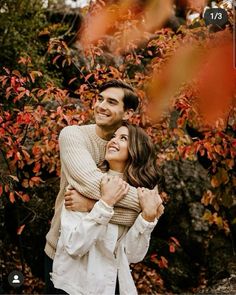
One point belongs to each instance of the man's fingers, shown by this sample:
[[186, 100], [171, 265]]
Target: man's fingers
[[68, 202], [68, 198], [69, 192]]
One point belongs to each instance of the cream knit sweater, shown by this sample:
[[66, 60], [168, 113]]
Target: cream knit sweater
[[80, 151]]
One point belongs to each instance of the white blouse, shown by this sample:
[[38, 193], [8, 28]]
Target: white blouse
[[91, 253]]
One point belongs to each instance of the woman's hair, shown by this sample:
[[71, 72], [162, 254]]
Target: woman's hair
[[140, 169]]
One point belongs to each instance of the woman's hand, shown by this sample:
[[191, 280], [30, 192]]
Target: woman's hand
[[113, 189], [150, 203], [76, 202]]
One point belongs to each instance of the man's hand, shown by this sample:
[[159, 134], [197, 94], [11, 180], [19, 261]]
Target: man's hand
[[113, 189], [76, 202], [150, 203]]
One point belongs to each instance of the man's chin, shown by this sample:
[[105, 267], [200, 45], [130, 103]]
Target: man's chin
[[101, 123]]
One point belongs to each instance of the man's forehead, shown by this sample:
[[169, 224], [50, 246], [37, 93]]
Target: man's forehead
[[113, 92]]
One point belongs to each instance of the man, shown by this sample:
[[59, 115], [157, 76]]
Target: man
[[81, 149]]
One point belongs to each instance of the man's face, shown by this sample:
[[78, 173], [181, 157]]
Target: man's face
[[109, 108]]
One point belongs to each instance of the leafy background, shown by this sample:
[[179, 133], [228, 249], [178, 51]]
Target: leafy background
[[52, 61]]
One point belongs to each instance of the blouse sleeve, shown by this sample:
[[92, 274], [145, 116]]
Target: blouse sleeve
[[136, 241], [79, 230]]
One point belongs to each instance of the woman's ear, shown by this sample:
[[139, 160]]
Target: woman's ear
[[128, 114]]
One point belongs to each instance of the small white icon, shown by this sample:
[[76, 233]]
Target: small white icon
[[16, 280]]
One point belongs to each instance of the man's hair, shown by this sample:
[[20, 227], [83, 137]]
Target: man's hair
[[130, 100]]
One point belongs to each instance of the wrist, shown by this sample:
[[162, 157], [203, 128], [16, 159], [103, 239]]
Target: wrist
[[148, 216], [91, 204], [108, 201]]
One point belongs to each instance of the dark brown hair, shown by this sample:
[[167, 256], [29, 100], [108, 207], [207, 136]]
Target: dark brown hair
[[131, 100], [140, 169]]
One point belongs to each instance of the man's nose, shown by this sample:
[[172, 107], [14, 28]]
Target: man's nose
[[102, 105]]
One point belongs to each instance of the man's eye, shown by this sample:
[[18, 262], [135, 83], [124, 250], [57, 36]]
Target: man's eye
[[112, 102], [100, 99]]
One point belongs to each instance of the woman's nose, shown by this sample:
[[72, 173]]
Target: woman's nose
[[114, 140]]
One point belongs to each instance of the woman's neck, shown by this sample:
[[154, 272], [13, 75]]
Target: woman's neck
[[116, 166]]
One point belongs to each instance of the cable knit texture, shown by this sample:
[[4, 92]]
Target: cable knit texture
[[80, 152]]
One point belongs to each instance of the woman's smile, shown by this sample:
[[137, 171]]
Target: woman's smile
[[117, 149]]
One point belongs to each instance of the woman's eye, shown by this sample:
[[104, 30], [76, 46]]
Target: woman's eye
[[124, 138]]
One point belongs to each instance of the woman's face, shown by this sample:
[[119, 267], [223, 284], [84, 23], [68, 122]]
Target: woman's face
[[117, 148]]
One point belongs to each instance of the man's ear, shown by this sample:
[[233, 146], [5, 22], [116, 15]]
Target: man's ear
[[128, 114]]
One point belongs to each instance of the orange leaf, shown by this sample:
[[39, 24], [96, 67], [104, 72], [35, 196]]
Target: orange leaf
[[217, 81], [16, 73], [25, 197], [164, 85], [6, 188], [215, 182], [25, 183]]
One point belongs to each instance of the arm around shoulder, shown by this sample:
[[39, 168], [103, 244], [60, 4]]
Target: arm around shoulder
[[77, 163]]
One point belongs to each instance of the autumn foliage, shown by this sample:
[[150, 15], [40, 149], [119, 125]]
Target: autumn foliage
[[186, 85], [31, 119]]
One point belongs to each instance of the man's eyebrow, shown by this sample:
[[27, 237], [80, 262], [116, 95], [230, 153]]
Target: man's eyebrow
[[110, 98], [113, 99]]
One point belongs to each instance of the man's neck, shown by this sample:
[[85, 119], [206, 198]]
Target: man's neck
[[105, 133]]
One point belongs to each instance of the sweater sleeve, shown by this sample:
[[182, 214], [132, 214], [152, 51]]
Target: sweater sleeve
[[81, 171], [136, 241]]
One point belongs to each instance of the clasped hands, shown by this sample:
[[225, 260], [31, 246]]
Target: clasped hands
[[113, 189]]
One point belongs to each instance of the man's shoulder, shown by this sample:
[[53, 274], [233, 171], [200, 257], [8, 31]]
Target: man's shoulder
[[77, 132], [77, 129]]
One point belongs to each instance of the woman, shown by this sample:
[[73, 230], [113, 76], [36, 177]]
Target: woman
[[92, 252]]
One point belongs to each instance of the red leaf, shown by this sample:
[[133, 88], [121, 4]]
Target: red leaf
[[175, 241], [172, 248], [55, 59], [163, 262], [37, 167], [20, 229], [72, 80]]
